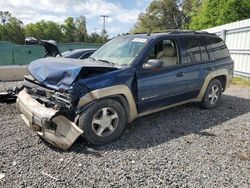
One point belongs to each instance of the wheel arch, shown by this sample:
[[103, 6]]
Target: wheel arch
[[122, 100], [223, 81], [221, 74], [121, 93]]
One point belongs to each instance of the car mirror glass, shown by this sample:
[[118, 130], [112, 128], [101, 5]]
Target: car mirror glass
[[153, 64]]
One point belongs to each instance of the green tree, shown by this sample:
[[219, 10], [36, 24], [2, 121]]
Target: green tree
[[160, 15], [217, 12], [95, 38], [69, 30], [190, 9], [81, 31], [12, 30], [34, 30], [53, 31], [1, 31], [44, 30]]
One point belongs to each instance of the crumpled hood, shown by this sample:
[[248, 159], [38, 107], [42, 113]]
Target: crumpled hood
[[60, 73]]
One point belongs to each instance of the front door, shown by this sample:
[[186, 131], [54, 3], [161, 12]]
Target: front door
[[164, 86]]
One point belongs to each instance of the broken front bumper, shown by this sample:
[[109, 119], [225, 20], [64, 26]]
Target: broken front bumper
[[56, 129]]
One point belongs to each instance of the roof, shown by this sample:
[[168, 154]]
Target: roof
[[170, 32]]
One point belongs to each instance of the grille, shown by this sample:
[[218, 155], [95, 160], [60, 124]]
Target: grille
[[47, 96]]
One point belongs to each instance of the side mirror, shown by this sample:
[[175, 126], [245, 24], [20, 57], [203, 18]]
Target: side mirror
[[153, 64]]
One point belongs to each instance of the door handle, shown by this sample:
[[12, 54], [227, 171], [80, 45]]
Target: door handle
[[179, 74]]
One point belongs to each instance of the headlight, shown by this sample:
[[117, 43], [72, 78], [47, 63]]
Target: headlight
[[77, 92]]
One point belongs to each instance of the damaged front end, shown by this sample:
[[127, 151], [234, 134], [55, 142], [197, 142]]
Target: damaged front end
[[47, 112], [49, 101]]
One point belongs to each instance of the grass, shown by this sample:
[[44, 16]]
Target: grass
[[241, 81]]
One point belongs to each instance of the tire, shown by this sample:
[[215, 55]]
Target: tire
[[212, 96], [103, 122]]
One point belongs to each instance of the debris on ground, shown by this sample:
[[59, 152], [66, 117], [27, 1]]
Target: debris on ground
[[2, 175], [183, 147], [10, 94], [50, 176]]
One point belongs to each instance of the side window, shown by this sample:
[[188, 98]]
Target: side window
[[204, 53], [192, 50], [166, 51], [217, 48]]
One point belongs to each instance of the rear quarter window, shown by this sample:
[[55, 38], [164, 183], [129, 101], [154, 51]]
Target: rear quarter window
[[217, 48]]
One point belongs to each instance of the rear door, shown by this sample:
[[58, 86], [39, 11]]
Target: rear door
[[202, 55], [195, 57]]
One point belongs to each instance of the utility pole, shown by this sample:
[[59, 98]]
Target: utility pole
[[103, 30], [95, 29]]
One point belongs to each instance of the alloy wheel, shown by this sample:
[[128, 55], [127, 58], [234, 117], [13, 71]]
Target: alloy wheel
[[213, 94], [105, 122]]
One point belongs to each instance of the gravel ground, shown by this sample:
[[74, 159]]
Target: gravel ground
[[9, 85], [180, 147]]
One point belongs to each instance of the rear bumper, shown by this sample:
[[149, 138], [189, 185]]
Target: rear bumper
[[56, 129], [228, 81]]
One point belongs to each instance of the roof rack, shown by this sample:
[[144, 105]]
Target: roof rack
[[137, 33], [177, 31]]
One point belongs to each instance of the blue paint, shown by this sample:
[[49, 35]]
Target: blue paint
[[151, 88]]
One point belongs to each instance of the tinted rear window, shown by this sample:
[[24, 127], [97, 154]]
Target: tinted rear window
[[204, 54], [217, 48], [192, 50]]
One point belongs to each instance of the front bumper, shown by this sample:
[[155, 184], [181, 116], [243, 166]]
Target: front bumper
[[56, 129]]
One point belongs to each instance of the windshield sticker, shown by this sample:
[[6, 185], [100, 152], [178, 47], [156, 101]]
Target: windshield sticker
[[139, 40]]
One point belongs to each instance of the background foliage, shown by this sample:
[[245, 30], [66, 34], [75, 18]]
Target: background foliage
[[191, 14], [217, 12], [159, 16], [72, 30]]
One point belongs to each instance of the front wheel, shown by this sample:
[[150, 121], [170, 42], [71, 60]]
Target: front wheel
[[212, 95], [103, 122]]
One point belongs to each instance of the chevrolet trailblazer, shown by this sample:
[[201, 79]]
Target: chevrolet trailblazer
[[129, 77]]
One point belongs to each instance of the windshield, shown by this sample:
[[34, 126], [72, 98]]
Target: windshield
[[120, 51]]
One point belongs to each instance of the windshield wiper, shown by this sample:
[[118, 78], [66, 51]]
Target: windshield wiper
[[92, 58], [105, 61]]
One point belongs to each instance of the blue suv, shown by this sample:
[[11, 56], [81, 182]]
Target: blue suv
[[129, 77]]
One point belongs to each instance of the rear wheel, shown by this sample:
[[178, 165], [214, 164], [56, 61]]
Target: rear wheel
[[212, 95], [103, 122]]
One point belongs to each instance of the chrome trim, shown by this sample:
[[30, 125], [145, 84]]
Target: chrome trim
[[110, 91], [149, 97]]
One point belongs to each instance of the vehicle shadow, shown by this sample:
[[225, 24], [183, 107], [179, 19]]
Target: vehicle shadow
[[158, 128]]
